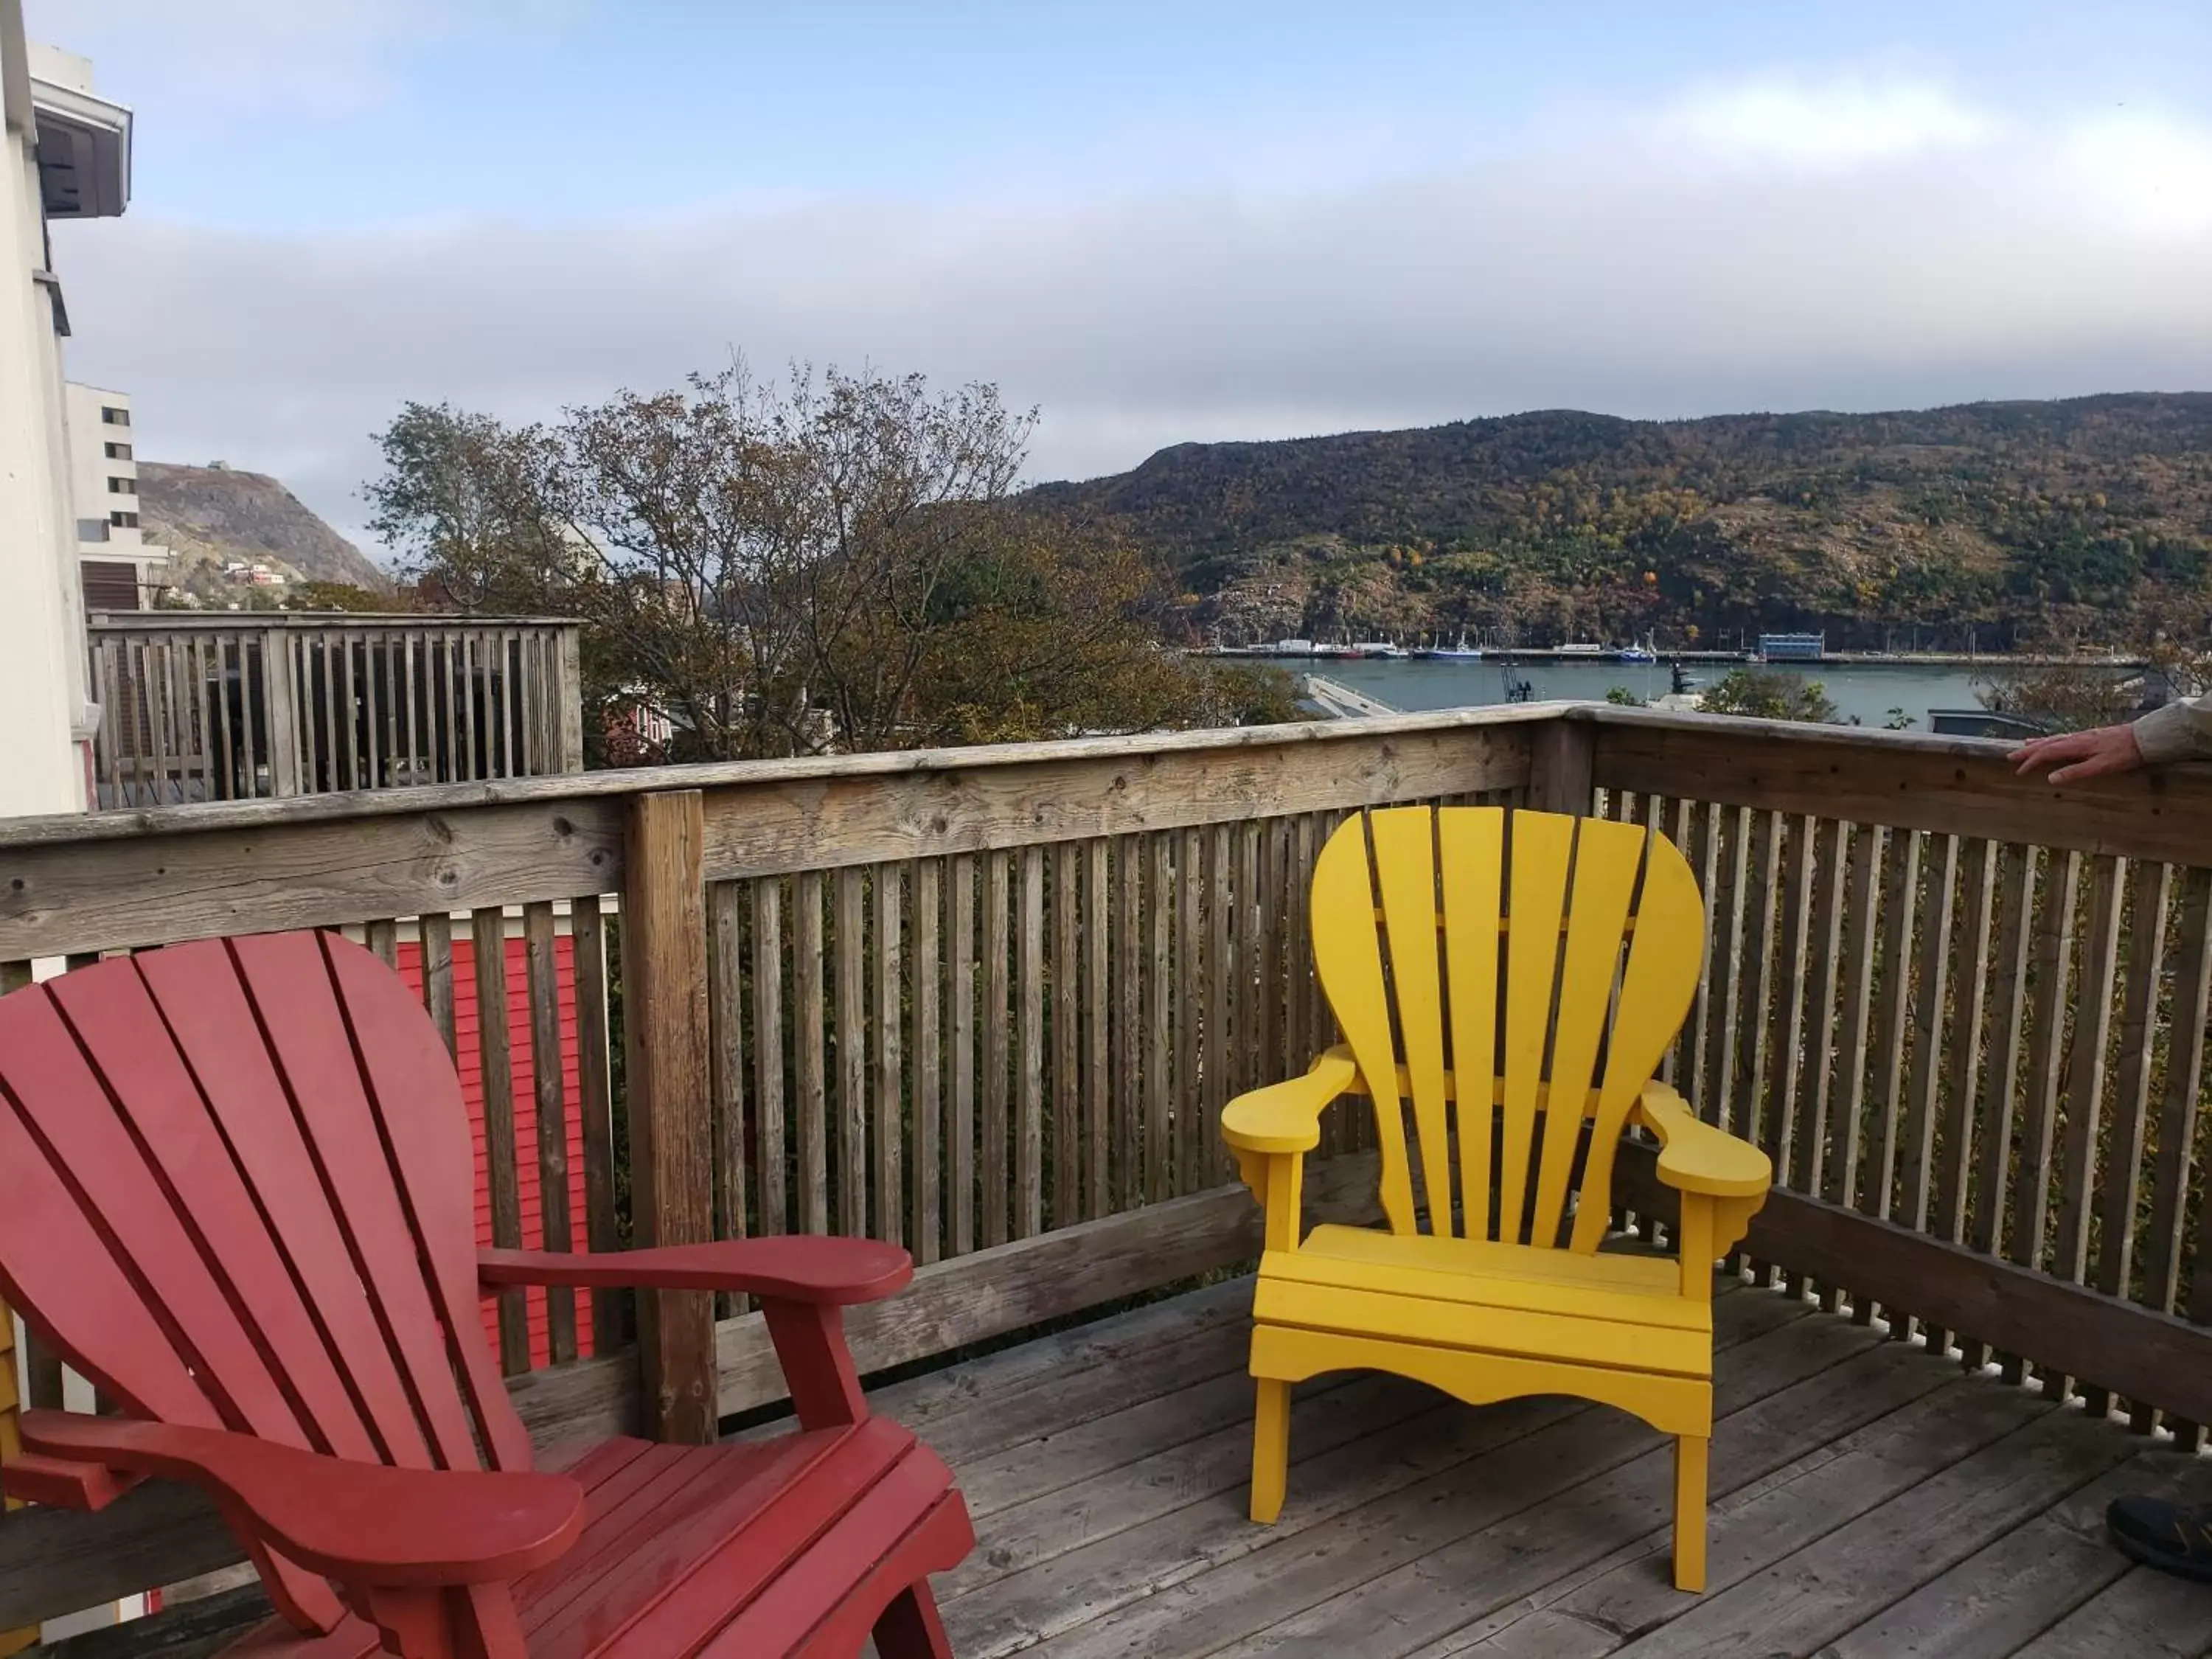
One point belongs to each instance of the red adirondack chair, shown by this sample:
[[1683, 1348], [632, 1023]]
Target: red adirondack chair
[[235, 1194]]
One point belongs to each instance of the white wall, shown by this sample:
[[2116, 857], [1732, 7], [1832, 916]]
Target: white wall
[[91, 467], [42, 766]]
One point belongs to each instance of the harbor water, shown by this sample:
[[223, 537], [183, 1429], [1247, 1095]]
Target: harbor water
[[1868, 691]]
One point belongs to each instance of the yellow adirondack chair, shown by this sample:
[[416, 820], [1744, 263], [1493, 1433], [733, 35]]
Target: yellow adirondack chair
[[1532, 960]]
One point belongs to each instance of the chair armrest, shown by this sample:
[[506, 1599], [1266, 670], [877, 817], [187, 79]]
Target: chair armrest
[[360, 1522], [1696, 1157], [828, 1272], [1286, 1117]]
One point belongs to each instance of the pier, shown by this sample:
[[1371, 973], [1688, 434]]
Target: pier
[[1340, 701]]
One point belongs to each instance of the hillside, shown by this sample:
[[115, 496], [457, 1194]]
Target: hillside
[[209, 515], [2081, 520]]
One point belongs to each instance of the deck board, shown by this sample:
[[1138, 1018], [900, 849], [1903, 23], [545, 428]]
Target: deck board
[[1868, 1500]]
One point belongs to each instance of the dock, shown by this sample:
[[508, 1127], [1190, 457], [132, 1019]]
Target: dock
[[1340, 701]]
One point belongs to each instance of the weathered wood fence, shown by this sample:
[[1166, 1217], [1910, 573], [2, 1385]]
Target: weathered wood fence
[[235, 708], [988, 1003]]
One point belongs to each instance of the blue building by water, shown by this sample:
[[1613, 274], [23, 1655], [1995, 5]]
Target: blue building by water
[[1792, 648]]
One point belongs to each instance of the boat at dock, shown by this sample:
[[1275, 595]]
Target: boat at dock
[[1461, 653]]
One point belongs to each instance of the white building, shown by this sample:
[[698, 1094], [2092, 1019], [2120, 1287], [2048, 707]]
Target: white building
[[115, 562], [67, 156]]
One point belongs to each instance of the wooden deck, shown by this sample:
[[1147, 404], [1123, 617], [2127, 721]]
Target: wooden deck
[[1869, 1499]]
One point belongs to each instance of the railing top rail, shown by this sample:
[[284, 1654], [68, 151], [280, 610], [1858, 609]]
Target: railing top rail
[[257, 621], [1912, 781], [124, 825]]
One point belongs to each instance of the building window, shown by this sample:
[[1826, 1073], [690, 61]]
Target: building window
[[114, 416], [92, 530], [109, 586], [124, 521], [123, 486], [118, 452]]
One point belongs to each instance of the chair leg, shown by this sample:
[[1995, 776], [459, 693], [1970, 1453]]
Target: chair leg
[[910, 1629], [1690, 1454], [1271, 1449]]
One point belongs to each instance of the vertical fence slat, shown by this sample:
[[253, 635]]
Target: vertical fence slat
[[383, 938], [1159, 1035], [1954, 1155], [849, 948], [1862, 936], [1274, 1064], [1193, 1127], [1218, 946], [997, 1047], [1246, 1028], [2085, 1076], [542, 966], [595, 1102], [1128, 991], [960, 1144], [927, 1152], [1731, 833], [488, 940], [1828, 857], [2175, 1171], [438, 977], [2053, 969], [1796, 866], [888, 1128], [810, 1061], [1098, 1049], [2085, 1066], [1893, 1018], [2001, 1073], [1029, 1098], [772, 1173], [726, 1024], [1925, 1100], [2150, 890], [1298, 999], [1066, 1032]]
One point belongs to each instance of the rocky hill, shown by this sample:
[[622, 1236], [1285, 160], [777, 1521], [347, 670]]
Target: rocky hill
[[211, 515], [2088, 519]]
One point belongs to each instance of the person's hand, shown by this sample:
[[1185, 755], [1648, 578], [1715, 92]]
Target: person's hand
[[2072, 755]]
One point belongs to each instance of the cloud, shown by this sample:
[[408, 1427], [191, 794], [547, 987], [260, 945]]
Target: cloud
[[1839, 122], [257, 56], [1606, 272]]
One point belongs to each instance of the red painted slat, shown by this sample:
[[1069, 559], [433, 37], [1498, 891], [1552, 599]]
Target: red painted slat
[[410, 1083], [522, 1063], [688, 1582], [116, 1022], [291, 985], [65, 1107], [198, 993]]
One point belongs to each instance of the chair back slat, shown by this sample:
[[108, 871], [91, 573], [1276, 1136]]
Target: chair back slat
[[252, 1175], [1608, 857], [1405, 873], [1471, 846], [1559, 956]]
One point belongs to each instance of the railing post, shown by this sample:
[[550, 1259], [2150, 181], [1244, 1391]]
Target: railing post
[[665, 1027], [1561, 754], [280, 686], [567, 695]]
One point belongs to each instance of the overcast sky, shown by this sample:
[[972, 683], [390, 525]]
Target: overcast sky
[[1157, 222]]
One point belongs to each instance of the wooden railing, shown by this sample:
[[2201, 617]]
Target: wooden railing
[[988, 1003], [211, 709], [1965, 1012]]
